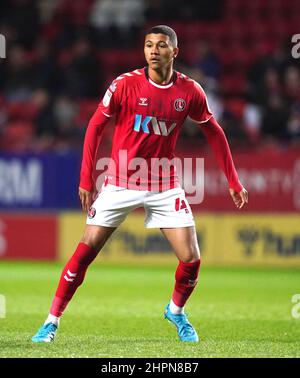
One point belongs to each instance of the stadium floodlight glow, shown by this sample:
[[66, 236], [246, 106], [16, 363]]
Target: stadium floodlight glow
[[2, 46], [2, 307]]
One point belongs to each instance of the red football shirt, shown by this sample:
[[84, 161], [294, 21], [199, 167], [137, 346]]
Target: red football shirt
[[148, 121]]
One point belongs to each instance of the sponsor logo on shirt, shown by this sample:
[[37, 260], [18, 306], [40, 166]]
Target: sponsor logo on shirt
[[156, 126], [143, 101]]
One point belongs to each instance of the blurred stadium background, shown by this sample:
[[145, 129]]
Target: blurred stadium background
[[62, 54], [60, 57]]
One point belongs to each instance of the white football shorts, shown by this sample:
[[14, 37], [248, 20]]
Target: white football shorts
[[167, 209]]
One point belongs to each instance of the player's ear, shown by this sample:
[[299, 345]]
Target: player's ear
[[175, 52]]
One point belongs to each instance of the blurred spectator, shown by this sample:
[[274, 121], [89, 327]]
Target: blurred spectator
[[293, 126], [61, 55], [80, 77], [232, 122], [276, 58], [184, 10], [44, 117], [275, 118], [18, 75], [74, 13], [116, 20], [292, 83], [65, 111], [252, 120], [22, 17], [45, 67], [3, 116], [268, 85], [205, 60], [215, 103], [46, 9], [121, 13]]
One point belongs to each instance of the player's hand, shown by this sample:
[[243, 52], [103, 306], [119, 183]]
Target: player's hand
[[240, 198], [86, 199]]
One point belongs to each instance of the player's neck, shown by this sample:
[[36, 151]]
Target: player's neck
[[162, 77]]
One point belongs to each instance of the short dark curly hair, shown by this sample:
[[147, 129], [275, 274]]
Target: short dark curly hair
[[166, 30]]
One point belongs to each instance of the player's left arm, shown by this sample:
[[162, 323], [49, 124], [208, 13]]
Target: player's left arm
[[219, 144], [201, 114]]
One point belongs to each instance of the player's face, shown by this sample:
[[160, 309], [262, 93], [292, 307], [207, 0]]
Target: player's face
[[159, 51]]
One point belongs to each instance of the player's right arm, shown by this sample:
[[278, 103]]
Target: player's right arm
[[92, 140], [106, 109]]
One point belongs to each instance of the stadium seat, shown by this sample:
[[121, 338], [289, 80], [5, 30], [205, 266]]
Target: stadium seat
[[236, 107], [18, 136], [22, 110], [233, 85]]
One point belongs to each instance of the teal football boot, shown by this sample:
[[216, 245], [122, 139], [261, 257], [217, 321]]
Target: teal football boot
[[45, 334], [186, 331]]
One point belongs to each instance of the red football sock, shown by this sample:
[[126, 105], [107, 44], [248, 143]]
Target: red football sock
[[72, 276], [186, 277]]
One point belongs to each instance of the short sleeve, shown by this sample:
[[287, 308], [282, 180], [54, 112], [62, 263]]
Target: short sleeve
[[199, 108], [112, 98]]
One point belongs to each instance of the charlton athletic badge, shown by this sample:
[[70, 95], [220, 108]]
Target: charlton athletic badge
[[91, 212], [179, 104]]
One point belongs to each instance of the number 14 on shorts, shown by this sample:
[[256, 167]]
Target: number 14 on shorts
[[181, 204]]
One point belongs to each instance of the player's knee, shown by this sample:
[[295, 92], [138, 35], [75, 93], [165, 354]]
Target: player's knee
[[191, 255], [93, 239], [92, 243]]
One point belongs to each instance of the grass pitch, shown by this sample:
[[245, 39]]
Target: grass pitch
[[118, 312]]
